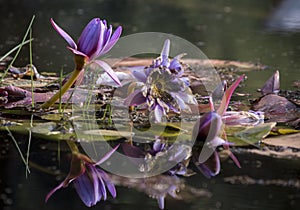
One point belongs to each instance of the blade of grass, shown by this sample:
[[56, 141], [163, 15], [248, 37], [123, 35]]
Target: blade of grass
[[14, 49], [31, 69], [18, 148], [60, 85], [19, 48]]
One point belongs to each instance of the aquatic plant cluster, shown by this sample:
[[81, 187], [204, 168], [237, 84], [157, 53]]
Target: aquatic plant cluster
[[163, 90]]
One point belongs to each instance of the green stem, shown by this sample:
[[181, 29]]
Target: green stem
[[80, 61], [73, 146], [63, 90]]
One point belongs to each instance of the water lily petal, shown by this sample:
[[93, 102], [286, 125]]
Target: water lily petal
[[64, 35], [211, 167], [139, 73], [107, 155], [77, 52], [161, 202], [165, 54], [85, 190], [91, 38], [109, 184], [53, 191], [113, 39], [227, 95], [134, 99], [158, 113], [176, 65], [207, 127], [108, 70], [102, 189], [271, 85]]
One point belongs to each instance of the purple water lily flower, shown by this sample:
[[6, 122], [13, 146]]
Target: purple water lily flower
[[96, 40], [90, 182], [162, 87], [207, 132]]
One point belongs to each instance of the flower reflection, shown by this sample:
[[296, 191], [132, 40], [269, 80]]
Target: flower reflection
[[161, 186], [90, 182]]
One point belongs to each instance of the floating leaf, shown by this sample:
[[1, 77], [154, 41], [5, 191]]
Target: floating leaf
[[284, 141], [248, 135]]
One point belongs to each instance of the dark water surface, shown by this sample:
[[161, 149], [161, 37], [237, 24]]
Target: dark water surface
[[233, 30]]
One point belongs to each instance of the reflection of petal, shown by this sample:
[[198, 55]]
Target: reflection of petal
[[85, 190], [53, 191], [161, 202], [211, 167], [110, 186], [107, 155]]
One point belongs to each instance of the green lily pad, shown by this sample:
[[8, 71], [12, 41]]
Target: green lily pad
[[248, 135]]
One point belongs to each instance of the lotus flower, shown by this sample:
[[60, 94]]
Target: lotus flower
[[96, 40], [162, 88], [89, 181]]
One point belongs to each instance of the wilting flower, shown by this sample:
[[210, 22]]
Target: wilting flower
[[161, 86], [207, 132], [89, 181], [96, 40]]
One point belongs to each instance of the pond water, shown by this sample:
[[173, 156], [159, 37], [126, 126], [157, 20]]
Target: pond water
[[235, 30]]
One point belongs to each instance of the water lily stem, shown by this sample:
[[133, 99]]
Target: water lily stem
[[80, 62]]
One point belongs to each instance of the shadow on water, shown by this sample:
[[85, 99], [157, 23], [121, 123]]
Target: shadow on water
[[234, 30]]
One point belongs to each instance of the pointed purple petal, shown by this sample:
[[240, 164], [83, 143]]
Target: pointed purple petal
[[139, 73], [176, 65], [76, 52], [207, 127], [91, 38], [235, 160], [107, 155], [158, 145], [102, 189], [108, 70], [109, 184], [227, 95], [106, 37], [271, 85], [95, 182], [158, 113], [165, 54], [64, 34], [113, 40], [161, 202], [134, 99], [53, 191], [211, 167], [85, 190]]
